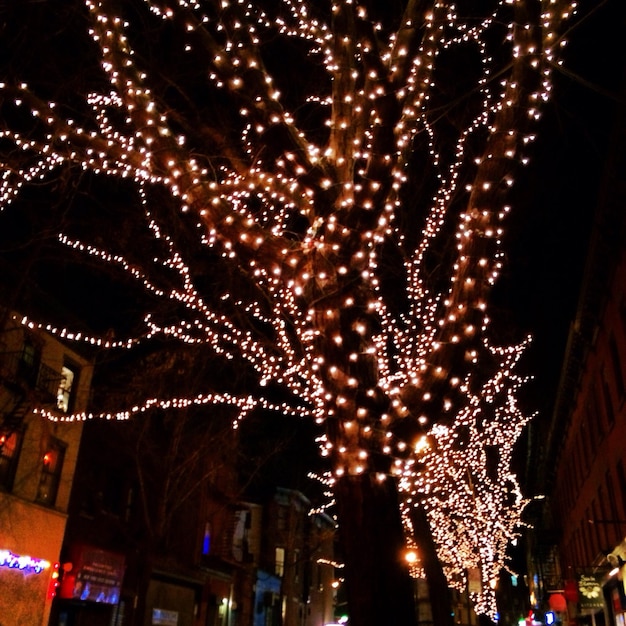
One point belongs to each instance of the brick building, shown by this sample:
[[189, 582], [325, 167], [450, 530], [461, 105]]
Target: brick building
[[295, 577], [579, 535], [37, 461], [151, 526]]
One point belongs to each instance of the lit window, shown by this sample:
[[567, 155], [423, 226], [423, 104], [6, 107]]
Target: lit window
[[64, 393], [279, 567], [206, 539], [51, 466], [10, 444]]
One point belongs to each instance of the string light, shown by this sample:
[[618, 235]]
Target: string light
[[24, 563], [418, 382]]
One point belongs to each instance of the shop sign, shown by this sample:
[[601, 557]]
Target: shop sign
[[94, 576], [161, 617], [590, 592]]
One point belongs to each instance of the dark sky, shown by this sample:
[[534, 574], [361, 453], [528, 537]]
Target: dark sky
[[548, 232]]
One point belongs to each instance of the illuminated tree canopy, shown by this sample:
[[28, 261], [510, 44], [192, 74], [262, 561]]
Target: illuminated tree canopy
[[353, 166]]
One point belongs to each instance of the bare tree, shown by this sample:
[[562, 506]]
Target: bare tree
[[325, 185]]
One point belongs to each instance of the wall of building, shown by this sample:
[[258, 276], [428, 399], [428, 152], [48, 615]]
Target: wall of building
[[589, 495], [590, 487], [173, 525], [27, 529], [583, 460], [305, 572], [32, 513]]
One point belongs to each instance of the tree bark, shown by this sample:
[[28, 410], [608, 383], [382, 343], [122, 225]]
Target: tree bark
[[379, 588], [438, 590]]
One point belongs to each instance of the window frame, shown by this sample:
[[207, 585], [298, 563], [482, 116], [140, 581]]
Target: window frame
[[7, 478], [66, 396], [29, 361], [280, 555], [49, 497]]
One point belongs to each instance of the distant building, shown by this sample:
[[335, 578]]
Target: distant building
[[150, 531], [37, 461], [220, 561], [296, 574]]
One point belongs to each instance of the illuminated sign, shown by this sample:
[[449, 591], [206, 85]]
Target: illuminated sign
[[161, 617], [26, 564], [591, 596], [95, 575]]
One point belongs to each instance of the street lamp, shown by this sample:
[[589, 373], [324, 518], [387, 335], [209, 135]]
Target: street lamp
[[410, 556]]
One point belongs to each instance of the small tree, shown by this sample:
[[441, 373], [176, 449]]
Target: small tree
[[325, 186]]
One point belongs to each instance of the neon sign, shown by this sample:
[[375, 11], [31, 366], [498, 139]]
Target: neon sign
[[24, 563]]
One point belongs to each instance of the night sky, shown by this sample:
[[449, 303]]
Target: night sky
[[547, 235]]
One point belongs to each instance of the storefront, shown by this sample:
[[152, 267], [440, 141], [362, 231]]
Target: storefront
[[616, 599], [30, 543], [90, 589], [613, 588]]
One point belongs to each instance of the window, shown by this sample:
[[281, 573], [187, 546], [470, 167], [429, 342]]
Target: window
[[51, 466], [617, 366], [282, 517], [597, 521], [597, 410], [608, 481], [206, 539], [241, 540], [10, 445], [279, 566], [296, 565], [65, 398], [608, 403], [28, 363], [621, 477], [585, 445], [592, 421], [588, 551], [580, 461]]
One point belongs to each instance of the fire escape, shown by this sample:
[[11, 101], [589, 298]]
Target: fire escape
[[25, 383]]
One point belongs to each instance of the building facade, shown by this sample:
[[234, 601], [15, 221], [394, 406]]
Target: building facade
[[578, 546], [150, 533], [296, 574], [37, 462]]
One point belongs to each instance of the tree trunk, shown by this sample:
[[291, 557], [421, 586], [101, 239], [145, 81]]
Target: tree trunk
[[379, 588], [438, 590], [144, 565]]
